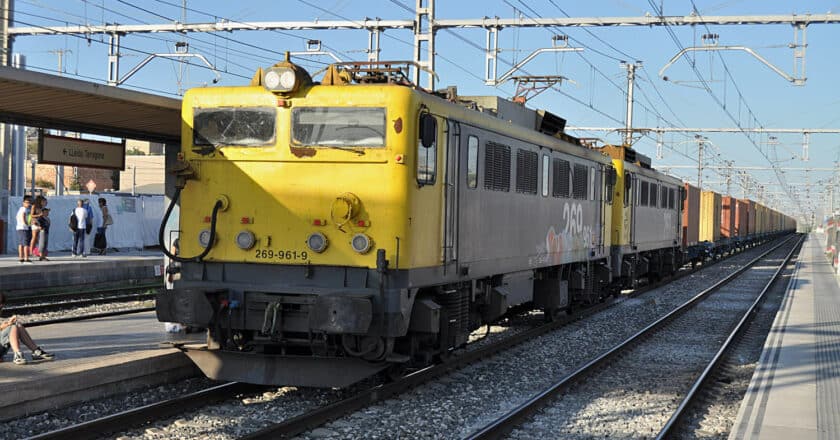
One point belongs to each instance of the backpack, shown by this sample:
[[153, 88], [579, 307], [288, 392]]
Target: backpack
[[74, 223]]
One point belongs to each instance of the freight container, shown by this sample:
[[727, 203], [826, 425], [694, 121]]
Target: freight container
[[742, 218], [710, 208], [752, 210], [761, 219], [728, 217], [691, 215]]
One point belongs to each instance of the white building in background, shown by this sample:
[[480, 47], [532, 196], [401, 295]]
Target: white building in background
[[143, 175]]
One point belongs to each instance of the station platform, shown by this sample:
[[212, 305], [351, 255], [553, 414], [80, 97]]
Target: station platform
[[795, 390], [94, 358], [120, 268]]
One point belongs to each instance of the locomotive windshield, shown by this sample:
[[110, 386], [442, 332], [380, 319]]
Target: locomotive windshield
[[245, 127], [338, 126]]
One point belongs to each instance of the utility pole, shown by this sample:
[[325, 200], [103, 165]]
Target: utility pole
[[17, 143], [59, 169], [700, 144], [729, 177], [6, 19], [60, 53], [628, 120], [182, 46]]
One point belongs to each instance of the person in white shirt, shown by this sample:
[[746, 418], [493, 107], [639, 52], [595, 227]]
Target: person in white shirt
[[24, 232], [79, 233]]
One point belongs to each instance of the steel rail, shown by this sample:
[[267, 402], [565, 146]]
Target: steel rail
[[50, 307], [86, 317], [12, 297], [138, 416], [742, 325], [310, 420], [503, 425]]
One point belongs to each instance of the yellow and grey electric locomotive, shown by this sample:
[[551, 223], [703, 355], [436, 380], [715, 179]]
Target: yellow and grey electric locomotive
[[329, 230]]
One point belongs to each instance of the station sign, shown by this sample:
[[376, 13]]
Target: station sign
[[59, 150]]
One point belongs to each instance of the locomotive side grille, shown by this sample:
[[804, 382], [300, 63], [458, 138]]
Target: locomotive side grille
[[581, 181], [644, 193], [560, 186], [663, 197], [497, 167], [526, 171], [653, 194]]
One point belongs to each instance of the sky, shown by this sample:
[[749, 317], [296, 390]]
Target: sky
[[728, 89]]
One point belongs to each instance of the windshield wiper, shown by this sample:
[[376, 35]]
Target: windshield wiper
[[358, 151]]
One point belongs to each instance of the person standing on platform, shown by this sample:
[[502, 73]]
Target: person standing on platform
[[12, 333], [35, 224], [24, 233], [79, 233], [44, 240], [101, 241], [89, 226]]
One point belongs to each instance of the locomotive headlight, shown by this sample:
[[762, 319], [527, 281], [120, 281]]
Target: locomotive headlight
[[245, 240], [361, 243], [280, 79], [272, 79], [317, 242], [204, 238]]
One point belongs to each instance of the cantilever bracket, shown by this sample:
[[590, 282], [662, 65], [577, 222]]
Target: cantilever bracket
[[169, 55], [796, 81], [509, 74]]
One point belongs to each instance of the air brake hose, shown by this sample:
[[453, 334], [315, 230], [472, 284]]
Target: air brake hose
[[200, 256]]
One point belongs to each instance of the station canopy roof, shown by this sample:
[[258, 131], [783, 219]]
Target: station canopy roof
[[41, 100]]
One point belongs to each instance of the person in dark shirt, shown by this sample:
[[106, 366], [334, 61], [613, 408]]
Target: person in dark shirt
[[44, 236]]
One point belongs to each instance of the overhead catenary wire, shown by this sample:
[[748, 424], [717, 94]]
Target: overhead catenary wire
[[716, 99]]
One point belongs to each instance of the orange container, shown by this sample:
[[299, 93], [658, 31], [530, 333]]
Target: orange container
[[728, 217], [691, 216]]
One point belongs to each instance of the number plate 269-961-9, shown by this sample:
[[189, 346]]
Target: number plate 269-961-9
[[281, 255]]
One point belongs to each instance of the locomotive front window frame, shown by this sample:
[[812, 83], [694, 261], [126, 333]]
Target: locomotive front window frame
[[339, 127], [234, 126]]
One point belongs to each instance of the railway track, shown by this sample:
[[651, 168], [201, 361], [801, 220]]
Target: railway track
[[139, 416], [317, 417], [313, 419], [46, 309], [633, 382]]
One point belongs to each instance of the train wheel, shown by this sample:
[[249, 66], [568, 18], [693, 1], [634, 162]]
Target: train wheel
[[394, 372], [554, 314]]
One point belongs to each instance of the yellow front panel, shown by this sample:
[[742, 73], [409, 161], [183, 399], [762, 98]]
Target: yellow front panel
[[279, 192], [620, 214]]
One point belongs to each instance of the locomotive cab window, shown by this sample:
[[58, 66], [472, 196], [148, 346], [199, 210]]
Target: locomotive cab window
[[234, 126], [472, 162], [628, 187], [427, 150], [338, 127]]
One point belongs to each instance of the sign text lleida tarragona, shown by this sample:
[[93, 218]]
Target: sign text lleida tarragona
[[85, 153]]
